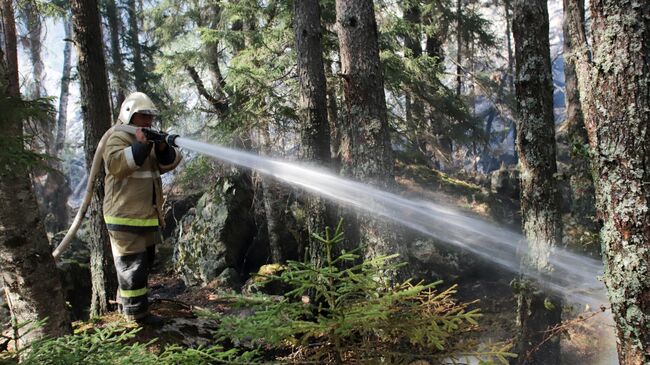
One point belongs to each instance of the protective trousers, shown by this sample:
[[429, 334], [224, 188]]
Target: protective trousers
[[133, 255]]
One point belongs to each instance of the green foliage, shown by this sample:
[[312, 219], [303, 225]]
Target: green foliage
[[423, 108], [115, 345], [241, 37], [13, 154], [238, 38], [344, 312], [55, 8]]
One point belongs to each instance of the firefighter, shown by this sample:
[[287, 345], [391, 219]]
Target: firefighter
[[133, 203]]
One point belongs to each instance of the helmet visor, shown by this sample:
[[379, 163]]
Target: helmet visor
[[153, 112]]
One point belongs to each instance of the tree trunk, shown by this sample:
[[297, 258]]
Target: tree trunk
[[97, 119], [57, 189], [315, 132], [414, 107], [511, 74], [333, 118], [53, 192], [615, 94], [434, 47], [434, 44], [213, 58], [29, 276], [511, 63], [370, 156], [34, 30], [539, 199], [134, 43], [459, 47], [62, 119], [581, 180], [272, 197], [117, 65]]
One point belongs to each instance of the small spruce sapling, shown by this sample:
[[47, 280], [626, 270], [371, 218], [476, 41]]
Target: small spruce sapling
[[343, 313]]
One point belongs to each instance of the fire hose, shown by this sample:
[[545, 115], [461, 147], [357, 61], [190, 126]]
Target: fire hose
[[152, 135]]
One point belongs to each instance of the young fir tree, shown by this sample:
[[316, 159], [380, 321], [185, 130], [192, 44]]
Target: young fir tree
[[339, 313], [29, 275], [97, 120], [614, 90], [536, 312]]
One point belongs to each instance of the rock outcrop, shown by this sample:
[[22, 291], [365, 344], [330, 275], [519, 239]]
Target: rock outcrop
[[216, 234]]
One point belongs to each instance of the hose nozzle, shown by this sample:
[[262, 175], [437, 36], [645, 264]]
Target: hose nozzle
[[160, 136]]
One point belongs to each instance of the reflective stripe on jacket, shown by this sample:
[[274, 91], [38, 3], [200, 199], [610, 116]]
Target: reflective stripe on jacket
[[133, 197]]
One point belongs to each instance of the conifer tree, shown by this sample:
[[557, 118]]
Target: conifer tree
[[581, 181], [614, 89], [537, 312], [115, 27], [370, 157], [32, 287], [97, 120], [315, 136]]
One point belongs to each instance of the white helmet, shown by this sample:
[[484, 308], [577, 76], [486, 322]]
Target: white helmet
[[137, 102]]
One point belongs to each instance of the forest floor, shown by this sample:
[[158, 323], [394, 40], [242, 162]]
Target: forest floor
[[181, 306]]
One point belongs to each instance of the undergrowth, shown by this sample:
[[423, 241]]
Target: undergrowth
[[337, 313], [343, 313]]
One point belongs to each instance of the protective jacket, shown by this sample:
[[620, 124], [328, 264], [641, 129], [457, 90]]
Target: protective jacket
[[133, 188]]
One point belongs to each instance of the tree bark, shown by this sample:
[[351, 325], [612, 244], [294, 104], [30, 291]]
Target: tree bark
[[32, 287], [117, 65], [615, 93], [315, 132], [539, 199], [97, 119], [370, 157]]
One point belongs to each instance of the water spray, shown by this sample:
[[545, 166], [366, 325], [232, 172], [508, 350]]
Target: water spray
[[575, 277]]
